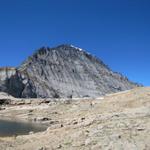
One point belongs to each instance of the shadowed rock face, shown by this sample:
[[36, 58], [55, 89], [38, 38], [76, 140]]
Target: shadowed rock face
[[15, 83], [63, 71]]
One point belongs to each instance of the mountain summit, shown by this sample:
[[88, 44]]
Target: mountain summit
[[62, 71]]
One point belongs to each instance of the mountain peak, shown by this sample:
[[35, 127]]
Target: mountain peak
[[69, 46], [63, 71], [64, 47]]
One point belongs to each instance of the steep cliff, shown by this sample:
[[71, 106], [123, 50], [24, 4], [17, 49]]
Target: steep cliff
[[15, 83], [63, 71]]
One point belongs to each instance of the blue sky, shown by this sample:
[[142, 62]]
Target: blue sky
[[116, 31]]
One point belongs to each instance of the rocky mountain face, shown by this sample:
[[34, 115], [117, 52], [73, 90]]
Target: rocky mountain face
[[15, 83], [63, 71]]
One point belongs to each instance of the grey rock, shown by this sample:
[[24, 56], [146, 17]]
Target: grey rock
[[61, 72]]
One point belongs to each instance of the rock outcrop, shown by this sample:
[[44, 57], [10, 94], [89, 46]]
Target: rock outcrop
[[63, 71], [15, 83]]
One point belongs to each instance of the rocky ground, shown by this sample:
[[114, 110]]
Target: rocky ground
[[115, 122]]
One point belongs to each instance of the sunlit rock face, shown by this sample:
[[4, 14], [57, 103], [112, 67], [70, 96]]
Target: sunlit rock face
[[63, 71]]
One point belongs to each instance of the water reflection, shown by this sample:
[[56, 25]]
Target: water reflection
[[12, 128]]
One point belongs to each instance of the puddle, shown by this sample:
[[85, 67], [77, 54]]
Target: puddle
[[12, 128]]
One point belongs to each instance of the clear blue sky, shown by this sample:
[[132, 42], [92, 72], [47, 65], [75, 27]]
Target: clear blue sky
[[117, 31]]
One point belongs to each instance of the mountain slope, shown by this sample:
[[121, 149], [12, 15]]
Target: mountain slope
[[63, 71]]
